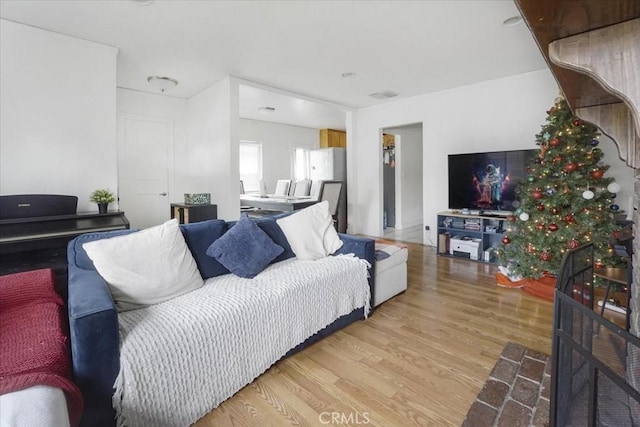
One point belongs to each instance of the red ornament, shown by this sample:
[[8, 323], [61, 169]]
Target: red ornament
[[597, 174], [616, 234], [570, 167], [540, 207], [536, 194], [540, 227], [529, 248], [573, 243], [511, 218], [506, 240], [576, 122], [557, 159], [555, 210], [598, 264], [554, 142], [545, 256], [553, 227], [569, 218]]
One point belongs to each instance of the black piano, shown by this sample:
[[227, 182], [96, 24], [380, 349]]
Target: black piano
[[35, 230]]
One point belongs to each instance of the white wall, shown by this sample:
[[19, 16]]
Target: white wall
[[502, 114], [57, 114], [210, 157], [495, 115], [408, 175], [278, 144]]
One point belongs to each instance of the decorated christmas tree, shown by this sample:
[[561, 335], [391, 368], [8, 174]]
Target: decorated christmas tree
[[566, 200]]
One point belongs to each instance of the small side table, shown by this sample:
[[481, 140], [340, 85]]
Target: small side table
[[615, 275], [187, 214]]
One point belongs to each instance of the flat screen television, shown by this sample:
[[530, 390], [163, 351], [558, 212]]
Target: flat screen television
[[487, 181]]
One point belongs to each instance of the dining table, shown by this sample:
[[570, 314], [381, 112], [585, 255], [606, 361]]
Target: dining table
[[276, 203]]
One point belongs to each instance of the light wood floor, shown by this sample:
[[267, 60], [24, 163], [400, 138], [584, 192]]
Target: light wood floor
[[420, 359]]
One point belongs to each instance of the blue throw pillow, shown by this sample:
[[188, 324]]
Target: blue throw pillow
[[273, 230], [245, 249], [199, 236]]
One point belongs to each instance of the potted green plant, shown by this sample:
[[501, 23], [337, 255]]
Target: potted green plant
[[102, 197]]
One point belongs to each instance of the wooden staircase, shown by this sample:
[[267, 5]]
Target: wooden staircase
[[593, 50]]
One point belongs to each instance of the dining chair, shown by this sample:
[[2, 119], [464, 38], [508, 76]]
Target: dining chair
[[331, 191], [300, 188], [282, 187], [314, 191]]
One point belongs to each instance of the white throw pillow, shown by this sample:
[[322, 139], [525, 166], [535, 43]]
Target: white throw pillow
[[310, 232], [147, 267]]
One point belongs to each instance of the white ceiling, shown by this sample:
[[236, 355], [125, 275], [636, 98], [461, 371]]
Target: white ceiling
[[409, 47], [290, 110]]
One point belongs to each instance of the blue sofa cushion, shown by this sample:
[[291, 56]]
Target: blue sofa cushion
[[273, 230], [199, 236], [82, 260], [245, 249]]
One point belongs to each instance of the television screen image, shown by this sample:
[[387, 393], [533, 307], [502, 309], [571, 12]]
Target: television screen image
[[487, 181]]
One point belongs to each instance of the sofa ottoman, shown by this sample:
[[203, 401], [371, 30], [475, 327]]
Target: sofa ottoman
[[390, 271]]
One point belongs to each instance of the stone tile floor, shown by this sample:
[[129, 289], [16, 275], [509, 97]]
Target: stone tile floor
[[516, 393]]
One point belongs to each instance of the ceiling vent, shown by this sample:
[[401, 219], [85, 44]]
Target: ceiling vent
[[385, 94]]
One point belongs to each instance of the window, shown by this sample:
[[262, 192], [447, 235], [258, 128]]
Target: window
[[250, 165], [301, 164]]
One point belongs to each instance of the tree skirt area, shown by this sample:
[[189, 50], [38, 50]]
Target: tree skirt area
[[516, 392], [542, 287]]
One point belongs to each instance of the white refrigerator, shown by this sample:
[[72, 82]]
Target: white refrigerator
[[330, 164]]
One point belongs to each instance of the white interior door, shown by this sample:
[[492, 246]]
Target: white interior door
[[143, 169]]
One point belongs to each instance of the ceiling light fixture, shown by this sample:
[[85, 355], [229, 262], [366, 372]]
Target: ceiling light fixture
[[266, 110], [162, 83], [384, 94], [513, 21], [142, 2], [348, 75]]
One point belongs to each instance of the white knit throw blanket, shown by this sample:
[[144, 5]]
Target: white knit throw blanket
[[182, 358]]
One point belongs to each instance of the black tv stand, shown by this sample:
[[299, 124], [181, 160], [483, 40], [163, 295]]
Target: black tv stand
[[486, 230]]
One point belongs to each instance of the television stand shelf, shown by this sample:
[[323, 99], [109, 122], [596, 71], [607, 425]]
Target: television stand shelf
[[473, 237]]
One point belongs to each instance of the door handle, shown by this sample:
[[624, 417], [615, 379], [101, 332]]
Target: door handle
[[162, 194]]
